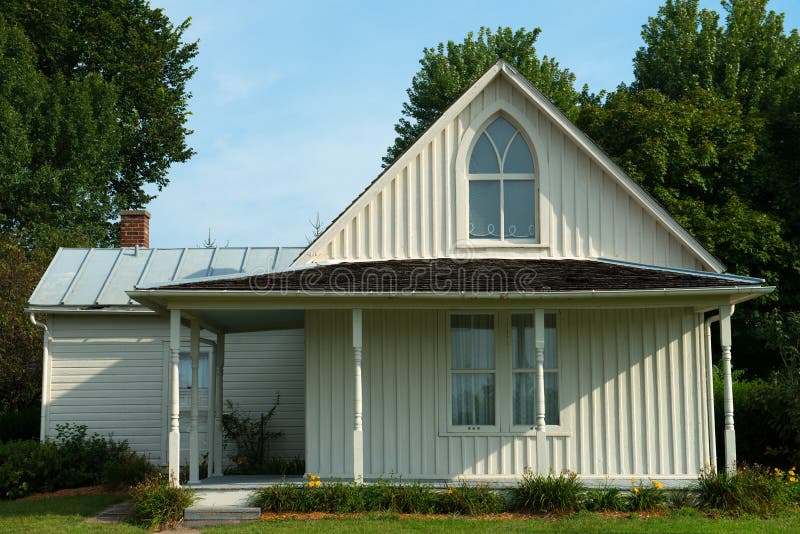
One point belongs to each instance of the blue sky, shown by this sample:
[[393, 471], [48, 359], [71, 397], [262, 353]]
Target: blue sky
[[294, 102]]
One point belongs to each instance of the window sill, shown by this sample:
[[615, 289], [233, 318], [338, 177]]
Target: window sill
[[555, 431], [488, 244]]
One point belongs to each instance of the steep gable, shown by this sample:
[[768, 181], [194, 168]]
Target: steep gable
[[586, 205]]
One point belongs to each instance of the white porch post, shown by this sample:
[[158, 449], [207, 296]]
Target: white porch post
[[174, 443], [220, 366], [194, 452], [358, 432], [725, 313], [541, 444], [211, 407]]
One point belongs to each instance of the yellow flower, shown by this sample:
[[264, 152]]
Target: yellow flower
[[633, 480], [793, 480], [658, 484], [791, 472], [636, 490], [450, 491]]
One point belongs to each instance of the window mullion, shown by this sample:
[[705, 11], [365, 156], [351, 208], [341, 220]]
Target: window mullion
[[502, 210]]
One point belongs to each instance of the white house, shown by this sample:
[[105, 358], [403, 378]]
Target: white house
[[501, 299]]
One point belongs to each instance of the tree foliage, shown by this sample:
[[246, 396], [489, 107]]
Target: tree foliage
[[20, 341], [451, 68], [93, 103], [710, 128]]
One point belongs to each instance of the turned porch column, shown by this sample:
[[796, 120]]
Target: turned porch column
[[174, 441], [541, 443], [358, 432], [725, 313]]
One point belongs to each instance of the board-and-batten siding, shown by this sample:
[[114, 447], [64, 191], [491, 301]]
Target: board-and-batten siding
[[412, 213], [632, 398], [108, 373]]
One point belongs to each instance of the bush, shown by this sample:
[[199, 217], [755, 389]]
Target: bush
[[127, 470], [681, 498], [645, 497], [156, 503], [252, 437], [384, 496], [85, 457], [548, 494], [23, 424], [607, 499], [412, 498], [767, 420], [281, 498], [753, 490], [472, 500], [27, 467], [72, 460]]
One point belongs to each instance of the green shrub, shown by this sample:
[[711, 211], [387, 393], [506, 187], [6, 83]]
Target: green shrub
[[767, 420], [410, 498], [85, 457], [252, 436], [384, 496], [281, 498], [479, 499], [681, 498], [127, 470], [646, 497], [335, 497], [28, 467], [548, 494], [606, 499], [748, 491], [24, 424], [156, 503]]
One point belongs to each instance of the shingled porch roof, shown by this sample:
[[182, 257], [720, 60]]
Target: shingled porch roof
[[470, 276]]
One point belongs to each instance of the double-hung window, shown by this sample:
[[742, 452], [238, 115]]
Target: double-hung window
[[492, 372], [502, 187], [523, 360], [472, 370], [185, 371]]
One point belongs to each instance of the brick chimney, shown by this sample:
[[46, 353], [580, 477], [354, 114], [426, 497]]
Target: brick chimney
[[134, 228]]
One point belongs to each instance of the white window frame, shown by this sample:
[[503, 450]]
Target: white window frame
[[504, 408], [532, 136], [523, 429], [187, 355], [502, 178], [471, 429]]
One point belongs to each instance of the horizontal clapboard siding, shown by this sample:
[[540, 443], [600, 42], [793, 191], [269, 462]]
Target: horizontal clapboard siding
[[108, 373], [632, 400]]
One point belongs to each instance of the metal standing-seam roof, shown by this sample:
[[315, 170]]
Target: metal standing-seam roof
[[101, 276]]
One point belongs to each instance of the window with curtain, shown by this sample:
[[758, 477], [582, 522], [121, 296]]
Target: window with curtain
[[523, 359], [472, 369], [502, 188], [185, 371]]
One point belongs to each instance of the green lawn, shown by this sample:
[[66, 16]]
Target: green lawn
[[60, 515], [585, 522], [68, 514]]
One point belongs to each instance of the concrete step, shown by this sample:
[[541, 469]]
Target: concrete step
[[200, 515]]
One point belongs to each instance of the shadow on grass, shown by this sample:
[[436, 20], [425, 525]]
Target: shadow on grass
[[82, 505]]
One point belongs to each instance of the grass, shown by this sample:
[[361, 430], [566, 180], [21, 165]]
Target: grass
[[65, 515], [687, 522], [60, 515]]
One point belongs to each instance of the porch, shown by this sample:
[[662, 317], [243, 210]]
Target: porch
[[633, 374]]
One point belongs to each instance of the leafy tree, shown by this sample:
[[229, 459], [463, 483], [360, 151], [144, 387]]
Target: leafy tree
[[449, 69], [93, 103], [20, 341]]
